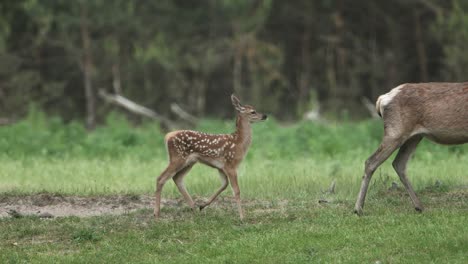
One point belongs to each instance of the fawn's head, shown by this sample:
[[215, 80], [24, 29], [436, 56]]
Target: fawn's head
[[247, 111]]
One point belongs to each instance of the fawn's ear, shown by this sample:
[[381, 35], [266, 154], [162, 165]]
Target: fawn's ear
[[236, 103]]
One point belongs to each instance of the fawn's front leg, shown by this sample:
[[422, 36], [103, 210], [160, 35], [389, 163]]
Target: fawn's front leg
[[224, 184], [179, 181], [232, 174]]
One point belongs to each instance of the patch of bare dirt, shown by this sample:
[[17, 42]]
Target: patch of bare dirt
[[46, 205], [52, 205]]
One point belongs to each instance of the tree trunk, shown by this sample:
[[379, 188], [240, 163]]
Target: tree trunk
[[237, 69], [87, 68], [116, 80], [306, 63], [200, 86], [421, 48]]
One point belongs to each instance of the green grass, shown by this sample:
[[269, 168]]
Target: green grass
[[297, 161], [294, 163], [303, 178], [299, 232]]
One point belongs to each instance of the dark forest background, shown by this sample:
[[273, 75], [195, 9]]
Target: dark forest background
[[285, 57]]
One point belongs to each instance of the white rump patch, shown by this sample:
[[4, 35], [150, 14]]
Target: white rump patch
[[385, 99]]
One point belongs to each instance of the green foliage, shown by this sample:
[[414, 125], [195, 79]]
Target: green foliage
[[51, 137], [38, 136], [452, 30]]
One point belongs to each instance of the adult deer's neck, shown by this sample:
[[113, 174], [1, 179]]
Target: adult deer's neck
[[243, 134]]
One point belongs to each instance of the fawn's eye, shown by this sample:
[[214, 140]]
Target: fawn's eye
[[253, 112]]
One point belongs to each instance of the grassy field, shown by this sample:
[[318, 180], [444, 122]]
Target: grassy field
[[297, 232], [281, 180]]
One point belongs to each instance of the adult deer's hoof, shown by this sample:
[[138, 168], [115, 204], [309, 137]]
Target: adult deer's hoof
[[358, 211]]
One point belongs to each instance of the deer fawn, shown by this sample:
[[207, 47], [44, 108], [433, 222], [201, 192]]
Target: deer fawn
[[223, 152], [438, 111]]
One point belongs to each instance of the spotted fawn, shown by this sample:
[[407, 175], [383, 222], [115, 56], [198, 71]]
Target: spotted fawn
[[220, 151]]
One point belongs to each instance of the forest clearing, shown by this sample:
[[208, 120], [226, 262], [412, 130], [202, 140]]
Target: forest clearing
[[92, 92], [89, 197]]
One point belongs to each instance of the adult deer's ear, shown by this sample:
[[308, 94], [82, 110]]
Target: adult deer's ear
[[236, 103]]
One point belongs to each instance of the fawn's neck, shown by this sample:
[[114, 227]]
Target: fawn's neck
[[243, 134]]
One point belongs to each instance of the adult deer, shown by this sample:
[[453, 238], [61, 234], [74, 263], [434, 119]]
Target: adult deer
[[223, 152], [437, 111]]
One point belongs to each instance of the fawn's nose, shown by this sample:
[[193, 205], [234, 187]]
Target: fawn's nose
[[264, 117]]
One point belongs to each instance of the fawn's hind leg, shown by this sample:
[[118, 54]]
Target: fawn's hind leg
[[172, 169]]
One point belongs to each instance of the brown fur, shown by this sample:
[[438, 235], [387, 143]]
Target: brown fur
[[439, 108], [438, 111]]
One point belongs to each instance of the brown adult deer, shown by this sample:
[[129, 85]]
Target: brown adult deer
[[437, 111], [223, 152]]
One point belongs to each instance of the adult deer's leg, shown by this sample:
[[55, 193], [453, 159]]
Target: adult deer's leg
[[224, 184], [386, 148], [232, 174], [179, 181], [399, 164], [169, 172]]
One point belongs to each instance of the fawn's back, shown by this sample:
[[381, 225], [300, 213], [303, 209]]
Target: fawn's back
[[203, 147]]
